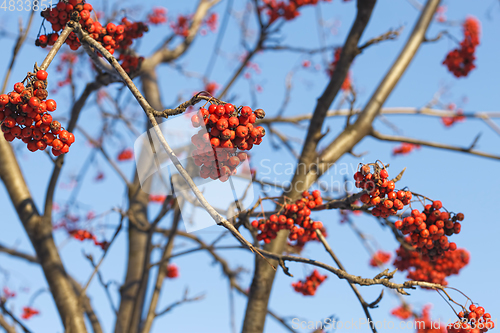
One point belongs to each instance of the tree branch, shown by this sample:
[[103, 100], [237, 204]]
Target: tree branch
[[165, 54], [353, 287], [17, 47], [15, 253], [263, 277], [75, 113], [162, 270], [40, 234], [5, 325], [391, 138], [354, 133]]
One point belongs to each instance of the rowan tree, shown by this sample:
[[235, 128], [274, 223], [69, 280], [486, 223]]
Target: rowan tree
[[356, 125]]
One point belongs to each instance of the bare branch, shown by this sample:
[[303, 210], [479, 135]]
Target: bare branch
[[166, 55], [40, 234], [75, 113], [10, 314], [57, 45], [19, 42], [353, 287], [383, 279], [15, 253], [389, 35], [230, 274], [469, 150], [263, 277], [5, 325], [89, 311], [96, 268], [298, 49], [185, 299], [354, 133], [386, 111], [160, 275]]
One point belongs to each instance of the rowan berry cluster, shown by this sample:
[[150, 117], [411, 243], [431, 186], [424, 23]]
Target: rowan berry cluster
[[172, 271], [403, 312], [7, 293], [294, 217], [449, 121], [473, 321], [158, 16], [404, 148], [346, 85], [25, 114], [226, 130], [422, 268], [29, 312], [310, 284], [125, 155], [461, 60], [378, 187], [427, 324], [429, 229], [380, 258], [82, 235], [288, 11], [112, 37]]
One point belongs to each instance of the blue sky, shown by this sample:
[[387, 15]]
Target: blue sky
[[463, 183]]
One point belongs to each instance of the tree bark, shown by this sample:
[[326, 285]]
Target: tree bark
[[263, 278], [39, 231]]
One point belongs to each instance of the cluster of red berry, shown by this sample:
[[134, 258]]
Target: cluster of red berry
[[404, 148], [403, 312], [158, 16], [288, 11], [24, 114], [429, 229], [449, 121], [461, 60], [378, 188], [422, 268], [7, 293], [310, 284], [172, 271], [112, 37], [294, 217], [380, 258], [82, 235], [29, 312], [426, 324], [346, 85], [125, 155], [473, 321], [227, 129]]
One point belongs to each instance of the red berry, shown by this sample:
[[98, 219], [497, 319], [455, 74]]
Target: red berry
[[41, 75], [222, 124], [51, 105], [215, 142], [220, 110], [19, 87], [241, 131], [229, 108], [57, 144], [111, 28]]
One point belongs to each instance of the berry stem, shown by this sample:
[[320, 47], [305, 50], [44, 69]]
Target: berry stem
[[57, 46]]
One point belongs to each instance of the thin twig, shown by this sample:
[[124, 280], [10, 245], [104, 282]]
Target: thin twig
[[383, 137], [353, 287], [19, 42]]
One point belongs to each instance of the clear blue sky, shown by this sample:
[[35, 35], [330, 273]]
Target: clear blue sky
[[463, 183]]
